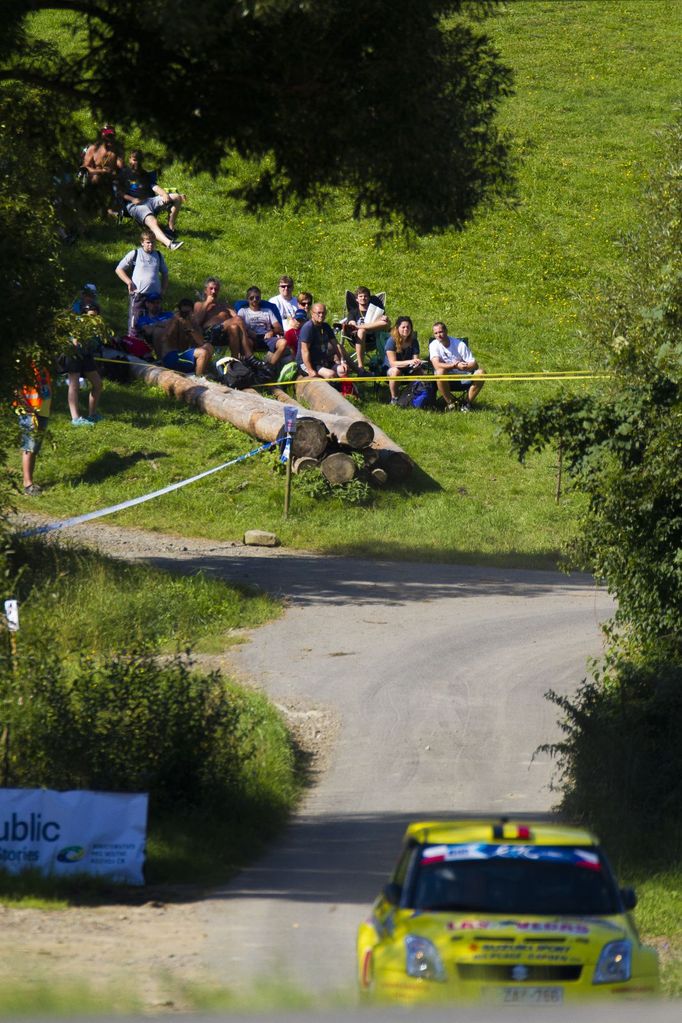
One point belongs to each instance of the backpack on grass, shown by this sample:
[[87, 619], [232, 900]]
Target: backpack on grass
[[420, 394], [234, 373]]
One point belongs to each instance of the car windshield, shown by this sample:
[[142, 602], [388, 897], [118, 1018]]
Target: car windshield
[[528, 880]]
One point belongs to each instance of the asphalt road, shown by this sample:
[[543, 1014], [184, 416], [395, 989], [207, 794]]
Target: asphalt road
[[436, 675]]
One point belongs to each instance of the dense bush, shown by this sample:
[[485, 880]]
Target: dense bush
[[127, 723], [620, 761]]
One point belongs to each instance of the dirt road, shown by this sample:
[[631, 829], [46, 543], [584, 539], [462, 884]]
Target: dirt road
[[435, 677]]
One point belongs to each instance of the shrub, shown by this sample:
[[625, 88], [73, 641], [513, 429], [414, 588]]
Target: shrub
[[620, 762], [126, 723]]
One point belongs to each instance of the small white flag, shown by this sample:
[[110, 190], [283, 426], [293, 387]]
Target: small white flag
[[12, 615]]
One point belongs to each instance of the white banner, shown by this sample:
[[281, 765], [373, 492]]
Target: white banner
[[65, 833]]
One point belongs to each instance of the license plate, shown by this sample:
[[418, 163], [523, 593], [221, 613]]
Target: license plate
[[527, 995]]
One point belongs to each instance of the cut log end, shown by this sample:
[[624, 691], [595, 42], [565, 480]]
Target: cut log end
[[303, 464], [359, 434], [310, 439], [338, 468]]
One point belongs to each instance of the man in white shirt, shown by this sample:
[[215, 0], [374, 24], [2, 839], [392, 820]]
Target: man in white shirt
[[451, 357], [286, 301]]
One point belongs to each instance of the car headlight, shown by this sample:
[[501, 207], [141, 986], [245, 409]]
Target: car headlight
[[423, 959], [615, 963]]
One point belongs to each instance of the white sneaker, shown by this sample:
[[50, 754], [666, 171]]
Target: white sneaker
[[174, 246]]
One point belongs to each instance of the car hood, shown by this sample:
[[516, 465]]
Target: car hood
[[542, 940]]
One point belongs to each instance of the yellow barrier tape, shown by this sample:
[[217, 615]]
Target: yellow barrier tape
[[480, 378], [528, 375]]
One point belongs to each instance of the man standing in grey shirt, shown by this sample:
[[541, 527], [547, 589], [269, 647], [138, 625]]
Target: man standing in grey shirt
[[143, 271]]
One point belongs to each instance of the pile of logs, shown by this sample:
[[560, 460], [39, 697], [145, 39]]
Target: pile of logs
[[328, 432]]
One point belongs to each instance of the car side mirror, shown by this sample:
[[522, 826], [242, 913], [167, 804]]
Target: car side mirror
[[392, 893], [629, 897]]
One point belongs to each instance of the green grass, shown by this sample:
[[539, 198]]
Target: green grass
[[45, 997], [103, 605], [595, 80], [659, 919], [481, 506]]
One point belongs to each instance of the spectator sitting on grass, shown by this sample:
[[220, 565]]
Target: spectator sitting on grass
[[144, 199], [305, 302], [151, 319], [451, 357], [264, 329], [360, 327], [86, 301], [291, 336], [401, 354], [319, 353], [102, 162], [285, 301], [179, 344], [144, 272], [219, 322]]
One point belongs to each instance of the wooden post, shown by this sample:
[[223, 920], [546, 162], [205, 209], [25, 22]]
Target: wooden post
[[287, 487], [560, 452]]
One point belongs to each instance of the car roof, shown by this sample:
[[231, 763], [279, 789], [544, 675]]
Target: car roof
[[496, 830]]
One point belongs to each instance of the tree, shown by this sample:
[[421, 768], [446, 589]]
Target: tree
[[623, 445], [392, 99]]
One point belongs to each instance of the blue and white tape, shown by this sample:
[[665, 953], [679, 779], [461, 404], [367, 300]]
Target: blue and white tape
[[77, 519]]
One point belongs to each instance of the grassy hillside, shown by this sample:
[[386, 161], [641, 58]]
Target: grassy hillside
[[595, 82]]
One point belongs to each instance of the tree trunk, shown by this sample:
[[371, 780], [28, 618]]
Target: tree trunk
[[245, 409], [338, 468], [252, 414], [322, 397]]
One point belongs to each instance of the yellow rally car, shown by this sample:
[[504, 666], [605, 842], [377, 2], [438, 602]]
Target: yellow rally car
[[525, 913]]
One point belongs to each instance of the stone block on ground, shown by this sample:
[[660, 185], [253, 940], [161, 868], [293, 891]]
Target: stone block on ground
[[260, 538]]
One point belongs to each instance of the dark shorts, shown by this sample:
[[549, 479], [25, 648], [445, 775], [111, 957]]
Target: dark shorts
[[459, 379], [183, 362], [215, 335], [269, 344], [81, 364], [33, 429]]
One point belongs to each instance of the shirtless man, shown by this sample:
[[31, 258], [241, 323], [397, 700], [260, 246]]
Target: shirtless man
[[219, 322], [102, 160], [180, 345], [102, 163]]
